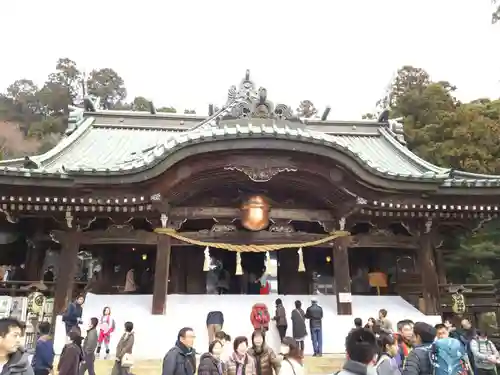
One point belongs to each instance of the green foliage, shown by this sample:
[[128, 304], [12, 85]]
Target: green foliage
[[452, 134], [441, 129], [108, 86], [166, 109], [495, 17], [140, 103], [32, 118]]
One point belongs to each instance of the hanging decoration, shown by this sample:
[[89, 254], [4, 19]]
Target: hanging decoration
[[207, 261], [268, 263], [250, 248], [239, 270], [302, 267]]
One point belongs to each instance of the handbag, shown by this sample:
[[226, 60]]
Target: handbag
[[127, 360]]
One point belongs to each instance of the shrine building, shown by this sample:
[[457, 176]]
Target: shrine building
[[254, 182]]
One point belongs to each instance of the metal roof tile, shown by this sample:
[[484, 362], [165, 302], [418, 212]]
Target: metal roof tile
[[95, 148]]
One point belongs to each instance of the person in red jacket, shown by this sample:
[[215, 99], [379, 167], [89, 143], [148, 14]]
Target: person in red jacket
[[266, 289], [259, 317]]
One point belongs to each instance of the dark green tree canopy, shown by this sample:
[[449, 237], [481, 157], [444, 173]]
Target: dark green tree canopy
[[108, 86], [33, 118]]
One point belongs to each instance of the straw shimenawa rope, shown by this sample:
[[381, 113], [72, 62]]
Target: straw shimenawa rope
[[251, 248]]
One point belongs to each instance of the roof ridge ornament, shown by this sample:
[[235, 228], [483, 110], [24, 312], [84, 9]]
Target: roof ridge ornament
[[306, 109], [394, 125], [245, 90], [245, 101]]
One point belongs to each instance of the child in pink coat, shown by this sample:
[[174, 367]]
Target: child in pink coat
[[106, 328]]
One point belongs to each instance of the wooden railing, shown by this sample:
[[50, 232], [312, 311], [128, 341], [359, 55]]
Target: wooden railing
[[22, 288], [478, 297]]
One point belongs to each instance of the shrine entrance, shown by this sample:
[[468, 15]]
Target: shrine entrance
[[224, 273]]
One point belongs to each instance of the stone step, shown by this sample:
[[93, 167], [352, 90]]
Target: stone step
[[328, 364]]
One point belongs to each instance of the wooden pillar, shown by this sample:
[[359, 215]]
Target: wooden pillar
[[34, 261], [428, 270], [441, 270], [162, 269], [341, 275], [66, 269]]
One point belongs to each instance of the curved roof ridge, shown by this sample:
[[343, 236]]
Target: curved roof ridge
[[65, 143], [463, 174], [441, 172], [60, 147], [161, 151]]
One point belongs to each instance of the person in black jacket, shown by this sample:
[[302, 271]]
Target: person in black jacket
[[12, 356], [73, 315], [210, 362], [418, 361], [181, 359], [315, 314], [215, 321], [299, 331]]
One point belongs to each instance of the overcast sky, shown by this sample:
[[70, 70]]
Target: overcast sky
[[187, 53]]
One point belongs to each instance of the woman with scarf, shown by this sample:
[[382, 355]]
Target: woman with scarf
[[123, 360], [106, 327], [265, 359], [240, 362], [299, 330], [292, 357], [386, 363], [210, 362]]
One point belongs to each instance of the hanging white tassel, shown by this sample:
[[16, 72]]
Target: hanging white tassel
[[239, 270], [207, 261], [268, 263], [302, 267]]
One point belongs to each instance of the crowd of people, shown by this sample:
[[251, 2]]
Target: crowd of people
[[417, 348], [411, 348]]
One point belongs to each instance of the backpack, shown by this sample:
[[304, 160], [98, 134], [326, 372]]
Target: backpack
[[260, 315], [489, 345], [383, 357], [447, 357]]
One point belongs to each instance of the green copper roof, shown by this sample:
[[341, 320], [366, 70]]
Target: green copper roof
[[117, 143], [119, 149]]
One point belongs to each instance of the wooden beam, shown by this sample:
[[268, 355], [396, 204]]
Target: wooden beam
[[119, 236], [377, 241], [127, 236], [233, 212]]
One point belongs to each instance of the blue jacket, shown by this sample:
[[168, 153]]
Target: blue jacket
[[44, 354], [73, 314]]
